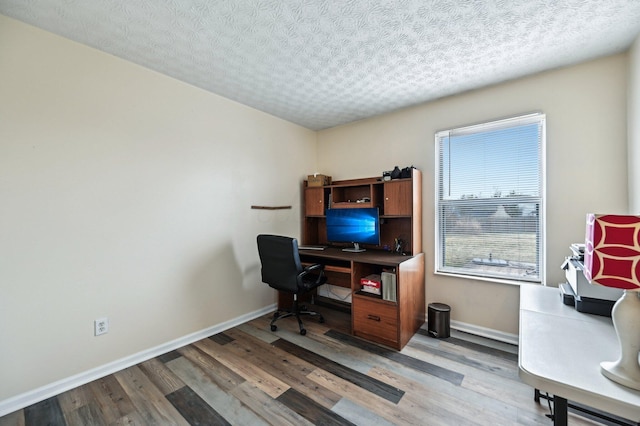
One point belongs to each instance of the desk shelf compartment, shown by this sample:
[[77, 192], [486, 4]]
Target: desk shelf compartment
[[392, 228], [360, 271], [353, 196], [337, 273], [338, 276], [368, 295]]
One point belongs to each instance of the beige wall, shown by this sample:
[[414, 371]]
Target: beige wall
[[126, 194], [586, 166], [633, 126]]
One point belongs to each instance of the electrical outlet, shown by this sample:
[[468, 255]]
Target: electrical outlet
[[101, 326]]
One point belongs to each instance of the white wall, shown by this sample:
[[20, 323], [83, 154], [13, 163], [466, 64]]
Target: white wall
[[126, 194], [586, 166], [633, 126]]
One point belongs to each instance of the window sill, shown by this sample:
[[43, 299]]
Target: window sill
[[486, 279]]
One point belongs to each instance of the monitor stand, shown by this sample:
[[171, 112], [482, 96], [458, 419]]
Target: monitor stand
[[355, 249]]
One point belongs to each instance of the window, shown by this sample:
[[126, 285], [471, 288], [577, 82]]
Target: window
[[489, 215]]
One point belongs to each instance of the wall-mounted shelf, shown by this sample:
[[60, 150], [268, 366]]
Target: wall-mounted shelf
[[271, 207]]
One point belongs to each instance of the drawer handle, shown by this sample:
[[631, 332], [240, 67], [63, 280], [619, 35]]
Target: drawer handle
[[373, 317]]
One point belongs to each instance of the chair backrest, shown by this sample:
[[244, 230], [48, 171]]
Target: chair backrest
[[280, 262]]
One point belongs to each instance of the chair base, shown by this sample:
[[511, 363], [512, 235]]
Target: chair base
[[297, 312]]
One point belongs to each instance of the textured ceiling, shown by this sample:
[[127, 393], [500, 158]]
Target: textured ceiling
[[321, 63]]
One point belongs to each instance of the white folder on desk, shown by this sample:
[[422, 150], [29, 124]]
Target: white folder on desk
[[389, 290]]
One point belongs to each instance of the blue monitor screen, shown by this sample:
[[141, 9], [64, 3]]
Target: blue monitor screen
[[358, 225]]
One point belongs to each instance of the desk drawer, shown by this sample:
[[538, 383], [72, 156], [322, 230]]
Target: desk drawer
[[375, 320]]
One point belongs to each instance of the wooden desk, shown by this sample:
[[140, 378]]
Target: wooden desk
[[372, 318], [560, 351]]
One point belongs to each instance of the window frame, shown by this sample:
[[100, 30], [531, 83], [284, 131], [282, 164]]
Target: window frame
[[513, 121]]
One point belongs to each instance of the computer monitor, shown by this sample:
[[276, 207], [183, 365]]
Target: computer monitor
[[356, 225]]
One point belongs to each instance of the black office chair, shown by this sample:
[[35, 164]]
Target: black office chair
[[282, 270]]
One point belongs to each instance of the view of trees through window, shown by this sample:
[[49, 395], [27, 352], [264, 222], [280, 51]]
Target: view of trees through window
[[489, 199]]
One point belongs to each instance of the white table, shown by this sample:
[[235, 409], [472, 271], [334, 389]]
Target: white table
[[560, 352]]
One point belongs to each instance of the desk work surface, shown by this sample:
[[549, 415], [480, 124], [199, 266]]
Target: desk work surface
[[560, 351], [378, 257]]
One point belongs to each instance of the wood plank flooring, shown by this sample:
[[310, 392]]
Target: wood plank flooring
[[249, 375]]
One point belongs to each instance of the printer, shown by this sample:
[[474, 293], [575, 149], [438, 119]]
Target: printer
[[579, 292]]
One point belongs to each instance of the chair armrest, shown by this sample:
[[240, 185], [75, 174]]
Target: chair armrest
[[314, 267], [311, 268]]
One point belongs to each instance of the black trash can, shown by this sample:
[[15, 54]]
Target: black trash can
[[438, 320]]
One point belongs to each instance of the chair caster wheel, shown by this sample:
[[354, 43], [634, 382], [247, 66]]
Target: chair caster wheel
[[303, 332], [321, 320], [274, 328]]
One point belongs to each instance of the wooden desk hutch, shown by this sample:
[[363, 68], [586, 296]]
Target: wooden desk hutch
[[399, 201]]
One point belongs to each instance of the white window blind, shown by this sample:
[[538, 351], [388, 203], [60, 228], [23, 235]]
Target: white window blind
[[490, 199]]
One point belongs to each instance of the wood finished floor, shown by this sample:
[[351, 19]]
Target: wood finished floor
[[249, 375]]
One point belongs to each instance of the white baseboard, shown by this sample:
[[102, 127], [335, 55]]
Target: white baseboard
[[489, 333], [31, 397]]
